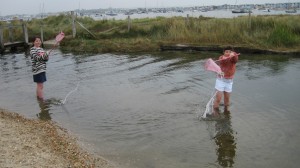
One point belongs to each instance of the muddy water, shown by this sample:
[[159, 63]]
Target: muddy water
[[140, 111]]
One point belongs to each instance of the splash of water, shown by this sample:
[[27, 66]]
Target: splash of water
[[209, 106], [64, 101]]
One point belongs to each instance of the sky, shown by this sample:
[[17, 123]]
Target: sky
[[12, 7]]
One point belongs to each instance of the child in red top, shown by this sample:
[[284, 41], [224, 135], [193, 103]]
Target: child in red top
[[224, 81]]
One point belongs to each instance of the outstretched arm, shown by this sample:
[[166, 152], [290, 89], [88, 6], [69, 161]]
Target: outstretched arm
[[234, 57]]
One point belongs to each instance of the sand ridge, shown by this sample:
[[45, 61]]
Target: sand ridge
[[36, 143]]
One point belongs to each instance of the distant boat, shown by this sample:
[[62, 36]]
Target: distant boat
[[111, 13], [98, 15], [291, 11], [266, 10], [128, 13], [241, 11]]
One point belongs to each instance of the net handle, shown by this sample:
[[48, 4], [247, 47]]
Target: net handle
[[58, 39]]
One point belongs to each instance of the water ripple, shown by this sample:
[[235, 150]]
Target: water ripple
[[141, 110]]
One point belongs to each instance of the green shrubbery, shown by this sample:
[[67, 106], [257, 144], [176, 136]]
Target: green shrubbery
[[280, 32]]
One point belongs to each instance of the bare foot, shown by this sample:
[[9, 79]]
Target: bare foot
[[216, 112], [226, 110]]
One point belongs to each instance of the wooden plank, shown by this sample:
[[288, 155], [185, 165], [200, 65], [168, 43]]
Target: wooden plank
[[14, 44]]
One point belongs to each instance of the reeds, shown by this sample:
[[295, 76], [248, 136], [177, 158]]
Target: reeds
[[272, 32]]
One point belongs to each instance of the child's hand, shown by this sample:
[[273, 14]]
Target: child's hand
[[41, 53], [233, 54], [221, 73]]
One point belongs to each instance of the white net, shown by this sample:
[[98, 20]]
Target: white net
[[209, 105]]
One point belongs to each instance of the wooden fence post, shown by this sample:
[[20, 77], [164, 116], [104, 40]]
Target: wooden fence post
[[1, 39], [187, 19], [250, 21], [10, 28], [129, 23], [25, 32], [42, 33], [73, 24]]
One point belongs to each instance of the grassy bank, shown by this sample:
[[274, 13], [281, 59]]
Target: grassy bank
[[280, 32]]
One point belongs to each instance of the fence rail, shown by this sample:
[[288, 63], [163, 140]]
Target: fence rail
[[12, 44]]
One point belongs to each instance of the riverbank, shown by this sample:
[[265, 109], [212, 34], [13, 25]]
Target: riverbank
[[217, 48], [35, 143], [252, 35], [276, 33]]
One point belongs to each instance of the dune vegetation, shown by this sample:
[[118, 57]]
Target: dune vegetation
[[277, 32]]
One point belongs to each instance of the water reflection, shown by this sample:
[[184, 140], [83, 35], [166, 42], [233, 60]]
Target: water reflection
[[225, 141], [45, 108], [263, 65], [118, 93]]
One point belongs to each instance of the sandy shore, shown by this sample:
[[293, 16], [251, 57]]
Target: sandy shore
[[36, 143]]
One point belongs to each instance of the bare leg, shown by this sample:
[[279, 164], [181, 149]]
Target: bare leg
[[39, 91], [226, 101], [217, 100]]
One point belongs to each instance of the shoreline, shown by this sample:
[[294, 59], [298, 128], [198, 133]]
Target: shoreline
[[36, 143], [219, 48]]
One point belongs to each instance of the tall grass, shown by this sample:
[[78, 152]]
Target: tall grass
[[261, 31], [272, 32], [16, 29]]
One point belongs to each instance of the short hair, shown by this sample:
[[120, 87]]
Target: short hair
[[228, 48], [32, 39]]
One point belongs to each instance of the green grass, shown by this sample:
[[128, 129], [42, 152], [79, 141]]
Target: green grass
[[280, 32]]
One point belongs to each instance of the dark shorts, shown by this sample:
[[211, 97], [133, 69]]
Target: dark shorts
[[40, 78]]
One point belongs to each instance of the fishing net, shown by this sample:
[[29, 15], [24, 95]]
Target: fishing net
[[59, 37], [209, 106], [210, 65], [76, 88]]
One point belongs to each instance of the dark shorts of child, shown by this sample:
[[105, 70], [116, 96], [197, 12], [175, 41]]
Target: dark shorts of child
[[40, 78]]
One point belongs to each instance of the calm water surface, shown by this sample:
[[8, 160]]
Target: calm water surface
[[213, 13], [140, 111]]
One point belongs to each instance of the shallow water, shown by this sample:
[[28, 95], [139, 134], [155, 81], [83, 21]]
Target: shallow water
[[214, 13], [142, 110]]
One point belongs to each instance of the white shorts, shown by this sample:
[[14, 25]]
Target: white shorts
[[223, 84]]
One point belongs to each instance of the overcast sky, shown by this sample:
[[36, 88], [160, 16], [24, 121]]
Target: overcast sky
[[9, 7]]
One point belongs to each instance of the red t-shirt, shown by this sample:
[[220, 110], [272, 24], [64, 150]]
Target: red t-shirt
[[227, 64]]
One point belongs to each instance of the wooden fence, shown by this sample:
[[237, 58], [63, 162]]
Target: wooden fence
[[10, 42]]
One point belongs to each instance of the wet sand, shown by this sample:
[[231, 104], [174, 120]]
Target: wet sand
[[36, 143]]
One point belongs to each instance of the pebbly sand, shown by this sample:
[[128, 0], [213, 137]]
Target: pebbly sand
[[35, 143]]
